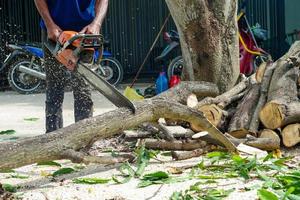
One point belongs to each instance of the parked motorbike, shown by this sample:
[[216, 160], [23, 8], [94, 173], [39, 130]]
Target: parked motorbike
[[172, 52], [26, 73]]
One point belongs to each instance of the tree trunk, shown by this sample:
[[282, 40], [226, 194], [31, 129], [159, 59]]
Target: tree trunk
[[208, 37], [76, 136]]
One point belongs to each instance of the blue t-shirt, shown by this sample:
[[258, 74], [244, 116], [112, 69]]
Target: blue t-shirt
[[71, 15]]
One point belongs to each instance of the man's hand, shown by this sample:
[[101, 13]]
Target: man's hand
[[53, 32], [92, 28]]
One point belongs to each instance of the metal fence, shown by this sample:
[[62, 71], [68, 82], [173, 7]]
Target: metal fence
[[131, 26]]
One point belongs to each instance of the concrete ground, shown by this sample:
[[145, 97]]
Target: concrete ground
[[14, 108]]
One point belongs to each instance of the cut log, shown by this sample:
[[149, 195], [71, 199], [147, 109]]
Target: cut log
[[192, 101], [240, 122], [260, 72], [266, 144], [283, 107], [278, 114], [291, 135], [76, 136], [267, 133], [176, 145], [195, 153], [264, 88], [231, 100], [240, 87], [214, 114]]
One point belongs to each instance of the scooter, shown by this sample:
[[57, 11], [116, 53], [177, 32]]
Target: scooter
[[170, 52], [26, 72]]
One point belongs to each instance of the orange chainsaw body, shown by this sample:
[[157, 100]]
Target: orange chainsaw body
[[72, 52]]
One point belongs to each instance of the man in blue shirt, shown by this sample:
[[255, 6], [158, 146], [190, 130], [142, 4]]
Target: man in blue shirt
[[85, 16]]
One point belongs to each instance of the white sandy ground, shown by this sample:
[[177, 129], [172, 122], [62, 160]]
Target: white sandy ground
[[14, 108]]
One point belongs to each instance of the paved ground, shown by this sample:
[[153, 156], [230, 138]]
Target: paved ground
[[14, 108]]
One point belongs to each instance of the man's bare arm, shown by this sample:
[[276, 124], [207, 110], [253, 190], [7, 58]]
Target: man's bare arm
[[52, 29], [101, 7], [100, 10]]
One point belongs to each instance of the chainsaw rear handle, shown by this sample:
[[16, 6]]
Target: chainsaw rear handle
[[84, 37]]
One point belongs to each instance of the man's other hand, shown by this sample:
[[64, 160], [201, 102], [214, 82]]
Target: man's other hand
[[53, 32], [92, 28]]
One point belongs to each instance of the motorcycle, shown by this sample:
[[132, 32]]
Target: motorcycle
[[26, 73], [171, 52]]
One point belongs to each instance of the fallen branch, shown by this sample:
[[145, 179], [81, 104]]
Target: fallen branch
[[176, 145], [76, 136], [195, 153]]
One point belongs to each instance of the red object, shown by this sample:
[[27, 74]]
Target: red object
[[175, 79]]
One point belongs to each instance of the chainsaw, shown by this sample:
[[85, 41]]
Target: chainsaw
[[76, 52]]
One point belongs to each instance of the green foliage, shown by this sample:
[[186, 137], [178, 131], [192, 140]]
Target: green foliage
[[49, 163], [158, 177], [9, 188], [195, 192], [19, 176], [266, 195], [31, 119], [7, 132], [91, 181], [126, 172], [63, 171], [143, 157]]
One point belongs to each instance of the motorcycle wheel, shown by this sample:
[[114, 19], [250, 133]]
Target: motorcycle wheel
[[21, 82], [174, 64], [113, 70]]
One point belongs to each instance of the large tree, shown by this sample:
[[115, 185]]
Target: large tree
[[208, 37]]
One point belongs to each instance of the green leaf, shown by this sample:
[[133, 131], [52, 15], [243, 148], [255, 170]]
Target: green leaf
[[167, 154], [63, 171], [19, 176], [158, 177], [127, 172], [155, 176], [7, 171], [7, 132], [266, 195], [142, 160], [91, 181], [288, 192], [9, 188], [124, 180], [31, 119], [49, 163]]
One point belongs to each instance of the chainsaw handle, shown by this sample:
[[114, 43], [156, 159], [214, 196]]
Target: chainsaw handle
[[84, 37]]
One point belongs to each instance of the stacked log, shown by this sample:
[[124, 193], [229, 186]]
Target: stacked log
[[265, 105]]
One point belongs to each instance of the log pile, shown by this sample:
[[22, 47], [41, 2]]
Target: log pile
[[265, 106], [261, 111]]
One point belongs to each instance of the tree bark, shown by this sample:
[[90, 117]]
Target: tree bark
[[208, 30], [240, 122], [76, 136], [264, 88], [283, 105], [227, 96]]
